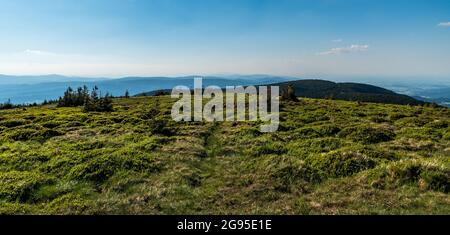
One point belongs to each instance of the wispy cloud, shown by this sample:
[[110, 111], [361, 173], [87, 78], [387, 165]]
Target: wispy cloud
[[444, 24], [337, 40], [38, 52], [344, 50]]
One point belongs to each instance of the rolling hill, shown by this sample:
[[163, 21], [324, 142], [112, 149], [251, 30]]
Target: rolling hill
[[347, 91], [321, 89], [29, 89]]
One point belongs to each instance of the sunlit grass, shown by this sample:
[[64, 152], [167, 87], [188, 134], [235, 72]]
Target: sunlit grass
[[328, 157]]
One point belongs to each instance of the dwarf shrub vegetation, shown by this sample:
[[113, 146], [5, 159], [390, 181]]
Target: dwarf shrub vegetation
[[81, 156]]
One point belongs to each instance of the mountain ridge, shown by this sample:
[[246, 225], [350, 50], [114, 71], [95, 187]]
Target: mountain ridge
[[20, 93], [323, 89]]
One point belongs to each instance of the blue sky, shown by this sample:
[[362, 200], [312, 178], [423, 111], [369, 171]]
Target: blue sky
[[322, 38]]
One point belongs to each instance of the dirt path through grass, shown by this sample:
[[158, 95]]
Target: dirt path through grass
[[212, 142], [219, 172]]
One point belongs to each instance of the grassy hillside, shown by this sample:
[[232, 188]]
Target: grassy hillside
[[329, 157]]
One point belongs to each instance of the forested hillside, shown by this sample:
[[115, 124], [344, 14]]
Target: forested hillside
[[348, 91]]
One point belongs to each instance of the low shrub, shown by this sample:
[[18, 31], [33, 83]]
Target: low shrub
[[160, 126], [100, 168], [50, 192], [438, 124], [19, 185], [291, 172], [20, 134], [47, 134], [367, 135], [306, 132], [315, 116], [13, 123], [327, 130], [69, 204], [378, 119], [447, 135], [22, 160], [341, 163], [251, 131], [414, 145], [420, 133], [32, 134], [97, 169], [269, 148], [52, 124], [423, 174], [397, 116], [413, 121], [315, 145], [436, 180]]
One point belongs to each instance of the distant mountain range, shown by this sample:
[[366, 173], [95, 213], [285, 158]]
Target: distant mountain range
[[432, 93], [29, 89], [19, 80]]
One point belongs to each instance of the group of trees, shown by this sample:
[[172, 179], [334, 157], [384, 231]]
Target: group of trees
[[9, 105], [288, 94], [92, 101], [72, 98], [6, 105]]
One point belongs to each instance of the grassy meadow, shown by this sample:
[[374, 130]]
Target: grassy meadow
[[328, 157]]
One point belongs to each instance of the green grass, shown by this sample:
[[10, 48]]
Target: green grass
[[329, 157]]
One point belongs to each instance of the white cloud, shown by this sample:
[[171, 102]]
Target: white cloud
[[444, 24], [344, 50], [337, 40]]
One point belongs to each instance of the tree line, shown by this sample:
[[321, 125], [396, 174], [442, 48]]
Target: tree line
[[9, 105], [91, 100]]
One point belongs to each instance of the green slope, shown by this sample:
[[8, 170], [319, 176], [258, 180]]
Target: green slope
[[329, 157]]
